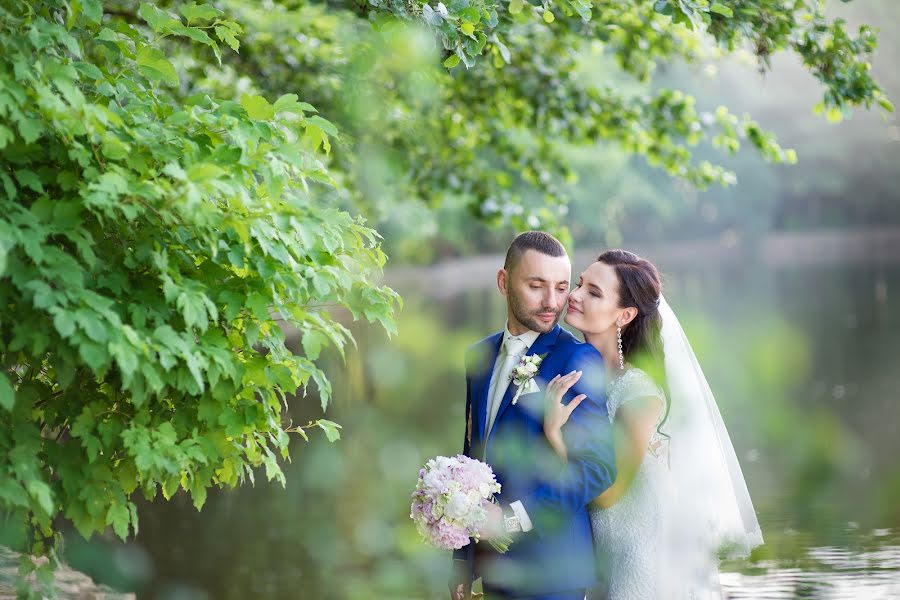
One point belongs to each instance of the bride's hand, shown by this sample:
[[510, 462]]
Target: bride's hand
[[556, 414]]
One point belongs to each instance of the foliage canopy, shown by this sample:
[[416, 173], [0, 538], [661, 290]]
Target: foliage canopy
[[152, 250]]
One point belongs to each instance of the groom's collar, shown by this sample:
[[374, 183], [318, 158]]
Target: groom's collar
[[539, 345], [528, 337]]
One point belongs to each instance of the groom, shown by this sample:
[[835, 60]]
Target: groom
[[543, 502]]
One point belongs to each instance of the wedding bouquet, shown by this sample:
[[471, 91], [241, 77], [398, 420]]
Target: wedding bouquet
[[448, 504]]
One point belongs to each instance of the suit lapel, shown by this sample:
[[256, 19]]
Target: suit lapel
[[544, 343], [482, 382]]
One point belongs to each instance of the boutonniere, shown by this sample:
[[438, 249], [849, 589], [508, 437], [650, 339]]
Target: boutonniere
[[523, 374]]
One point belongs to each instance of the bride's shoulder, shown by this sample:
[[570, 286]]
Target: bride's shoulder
[[635, 382]]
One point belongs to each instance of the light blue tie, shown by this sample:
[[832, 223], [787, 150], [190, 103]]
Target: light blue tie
[[513, 350]]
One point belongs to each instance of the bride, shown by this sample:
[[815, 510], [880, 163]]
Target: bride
[[680, 497]]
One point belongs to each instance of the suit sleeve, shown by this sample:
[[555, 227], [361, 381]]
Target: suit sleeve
[[591, 466]]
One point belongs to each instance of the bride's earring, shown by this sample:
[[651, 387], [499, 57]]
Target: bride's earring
[[619, 342]]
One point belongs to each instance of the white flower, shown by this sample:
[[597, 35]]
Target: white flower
[[525, 372], [441, 463], [477, 515], [434, 479], [458, 506]]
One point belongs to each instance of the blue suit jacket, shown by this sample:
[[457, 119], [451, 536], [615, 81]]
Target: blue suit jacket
[[558, 553]]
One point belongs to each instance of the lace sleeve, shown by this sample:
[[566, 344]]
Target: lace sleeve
[[634, 385]]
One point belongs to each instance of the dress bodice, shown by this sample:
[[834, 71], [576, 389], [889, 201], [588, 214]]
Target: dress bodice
[[627, 535], [638, 545]]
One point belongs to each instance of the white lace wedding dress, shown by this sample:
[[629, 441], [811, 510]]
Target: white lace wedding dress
[[632, 538]]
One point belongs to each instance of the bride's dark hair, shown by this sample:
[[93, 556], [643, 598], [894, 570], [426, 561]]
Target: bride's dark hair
[[640, 286]]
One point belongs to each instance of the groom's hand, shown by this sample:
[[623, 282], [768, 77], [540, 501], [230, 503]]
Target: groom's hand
[[458, 592], [493, 527]]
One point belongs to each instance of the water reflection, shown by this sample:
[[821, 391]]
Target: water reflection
[[803, 361], [830, 573]]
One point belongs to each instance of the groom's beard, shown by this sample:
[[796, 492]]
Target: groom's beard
[[530, 319]]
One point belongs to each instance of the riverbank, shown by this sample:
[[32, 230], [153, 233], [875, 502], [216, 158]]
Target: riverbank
[[878, 246], [71, 585]]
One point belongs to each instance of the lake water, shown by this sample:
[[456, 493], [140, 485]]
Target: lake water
[[805, 364]]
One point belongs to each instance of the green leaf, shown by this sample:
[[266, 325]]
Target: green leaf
[[108, 35], [156, 18], [119, 517], [199, 12], [663, 7], [548, 16], [154, 65], [289, 103], [326, 126], [516, 6], [193, 311], [259, 306], [88, 69], [9, 187], [40, 491], [94, 355], [125, 358], [204, 171], [29, 179], [114, 149], [330, 429], [226, 35], [721, 9], [198, 35], [44, 297], [451, 61], [64, 323], [7, 393], [312, 343], [92, 325], [198, 493], [6, 136], [258, 107], [92, 10], [30, 130], [583, 8], [13, 493], [316, 137], [467, 28]]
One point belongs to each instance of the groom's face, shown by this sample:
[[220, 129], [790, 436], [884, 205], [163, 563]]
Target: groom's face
[[536, 290]]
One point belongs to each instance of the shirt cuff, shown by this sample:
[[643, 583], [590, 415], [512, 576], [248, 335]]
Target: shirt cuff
[[522, 515]]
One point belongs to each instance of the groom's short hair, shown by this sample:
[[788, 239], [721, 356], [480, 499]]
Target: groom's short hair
[[532, 240]]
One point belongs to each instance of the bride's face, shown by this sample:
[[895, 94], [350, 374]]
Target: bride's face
[[594, 302]]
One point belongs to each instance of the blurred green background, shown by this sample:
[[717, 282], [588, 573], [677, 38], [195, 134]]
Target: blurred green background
[[788, 285]]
